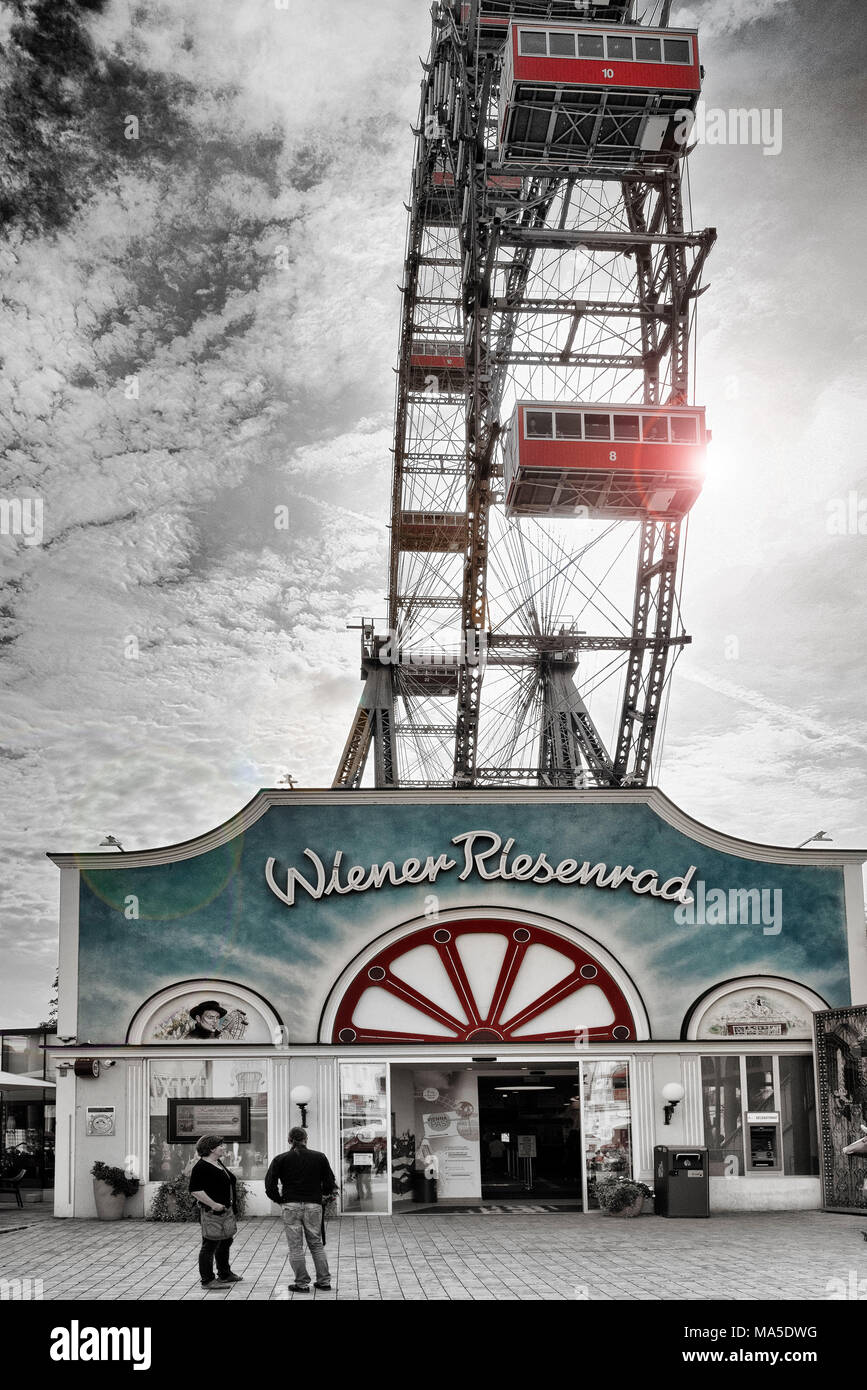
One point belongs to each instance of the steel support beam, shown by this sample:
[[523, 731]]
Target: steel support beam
[[652, 619], [553, 239], [374, 722], [569, 740]]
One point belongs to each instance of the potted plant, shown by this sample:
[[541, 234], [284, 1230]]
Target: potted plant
[[111, 1187], [172, 1201], [619, 1196]]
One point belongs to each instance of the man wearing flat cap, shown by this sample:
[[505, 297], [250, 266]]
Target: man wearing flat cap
[[206, 1018]]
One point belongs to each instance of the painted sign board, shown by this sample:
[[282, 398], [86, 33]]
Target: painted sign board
[[274, 905]]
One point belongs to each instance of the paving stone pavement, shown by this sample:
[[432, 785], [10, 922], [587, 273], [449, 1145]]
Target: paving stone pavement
[[483, 1256]]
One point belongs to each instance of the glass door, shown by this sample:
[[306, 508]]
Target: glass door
[[607, 1124], [365, 1179]]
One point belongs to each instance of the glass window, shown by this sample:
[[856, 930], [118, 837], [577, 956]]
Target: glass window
[[607, 1130], [23, 1054], [538, 424], [684, 429], [590, 46], [626, 427], [655, 428], [27, 1129], [597, 427], [49, 1135], [619, 46], [760, 1084], [568, 424], [533, 43], [364, 1136], [678, 51], [723, 1121], [798, 1116], [190, 1077], [648, 50], [561, 45]]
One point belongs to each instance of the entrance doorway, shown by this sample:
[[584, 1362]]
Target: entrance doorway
[[530, 1136]]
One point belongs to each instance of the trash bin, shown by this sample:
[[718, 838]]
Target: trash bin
[[681, 1181], [424, 1186]]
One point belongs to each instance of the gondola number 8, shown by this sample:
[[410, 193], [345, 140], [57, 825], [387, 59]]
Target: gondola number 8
[[613, 455]]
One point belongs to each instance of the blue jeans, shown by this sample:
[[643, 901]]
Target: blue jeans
[[303, 1220]]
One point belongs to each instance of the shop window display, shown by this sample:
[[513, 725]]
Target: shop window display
[[192, 1079]]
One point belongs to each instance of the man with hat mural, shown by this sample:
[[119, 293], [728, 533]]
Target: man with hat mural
[[206, 1018]]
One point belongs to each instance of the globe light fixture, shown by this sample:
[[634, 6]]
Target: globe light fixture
[[672, 1094], [301, 1096]]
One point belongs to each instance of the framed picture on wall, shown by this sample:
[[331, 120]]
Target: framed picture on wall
[[189, 1120]]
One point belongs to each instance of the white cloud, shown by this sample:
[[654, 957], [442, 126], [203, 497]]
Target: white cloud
[[725, 16], [261, 386]]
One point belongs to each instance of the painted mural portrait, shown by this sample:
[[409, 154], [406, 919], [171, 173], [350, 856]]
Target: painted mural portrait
[[206, 1020]]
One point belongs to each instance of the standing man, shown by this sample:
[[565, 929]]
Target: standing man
[[297, 1181]]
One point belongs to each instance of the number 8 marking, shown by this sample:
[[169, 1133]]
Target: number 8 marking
[[613, 455]]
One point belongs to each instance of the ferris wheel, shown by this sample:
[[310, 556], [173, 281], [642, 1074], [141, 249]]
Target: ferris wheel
[[546, 450]]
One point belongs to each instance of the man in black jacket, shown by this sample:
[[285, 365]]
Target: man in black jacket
[[297, 1181]]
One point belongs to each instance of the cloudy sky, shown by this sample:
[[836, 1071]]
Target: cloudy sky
[[202, 239]]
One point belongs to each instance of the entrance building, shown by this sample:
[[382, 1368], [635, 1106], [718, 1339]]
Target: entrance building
[[507, 994]]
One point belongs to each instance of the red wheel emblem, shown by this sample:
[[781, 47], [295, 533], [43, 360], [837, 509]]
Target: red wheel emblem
[[483, 981]]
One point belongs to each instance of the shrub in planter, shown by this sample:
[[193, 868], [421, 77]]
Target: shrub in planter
[[618, 1196], [111, 1187], [172, 1201]]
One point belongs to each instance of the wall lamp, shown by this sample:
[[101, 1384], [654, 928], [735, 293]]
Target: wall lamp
[[672, 1094], [301, 1096]]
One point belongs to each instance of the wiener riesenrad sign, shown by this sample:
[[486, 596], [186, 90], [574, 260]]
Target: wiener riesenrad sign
[[484, 854]]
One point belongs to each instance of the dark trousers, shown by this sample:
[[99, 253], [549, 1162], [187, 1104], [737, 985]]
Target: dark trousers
[[209, 1249]]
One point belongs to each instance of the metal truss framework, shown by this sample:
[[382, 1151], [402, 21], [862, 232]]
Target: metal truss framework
[[555, 282]]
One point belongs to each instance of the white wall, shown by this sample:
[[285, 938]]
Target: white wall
[[765, 1194], [77, 1093]]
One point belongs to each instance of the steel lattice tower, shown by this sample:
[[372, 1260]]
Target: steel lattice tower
[[560, 271]]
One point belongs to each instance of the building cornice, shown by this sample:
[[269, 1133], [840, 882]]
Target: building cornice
[[651, 797]]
